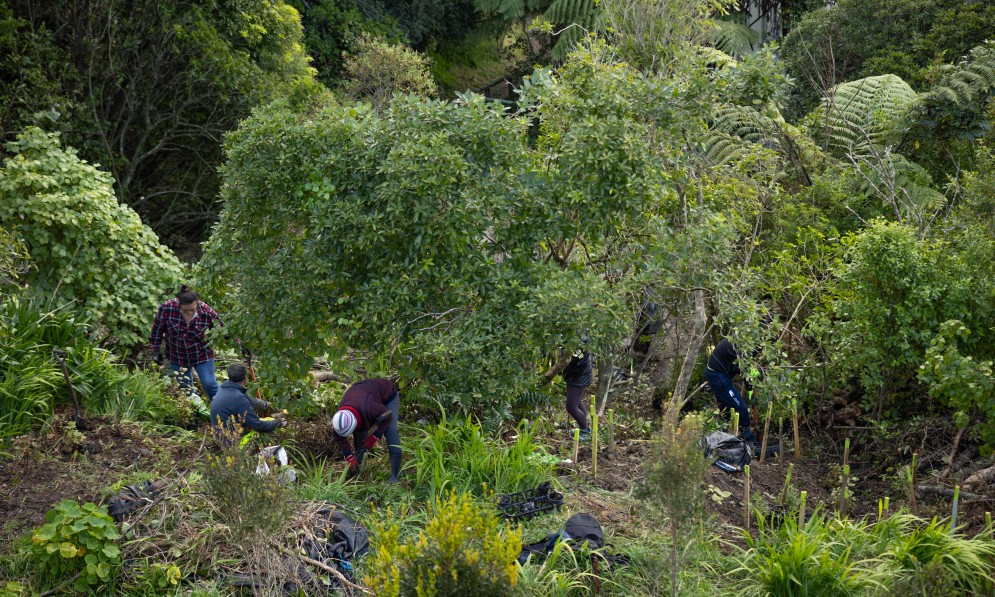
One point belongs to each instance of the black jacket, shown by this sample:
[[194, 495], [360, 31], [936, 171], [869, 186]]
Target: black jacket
[[231, 407], [579, 372]]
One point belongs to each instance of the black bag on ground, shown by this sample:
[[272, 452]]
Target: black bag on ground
[[728, 448], [584, 527], [131, 498], [580, 529]]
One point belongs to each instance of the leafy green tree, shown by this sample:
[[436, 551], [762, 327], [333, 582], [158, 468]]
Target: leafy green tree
[[436, 236], [891, 297], [860, 38], [151, 86], [331, 28], [92, 254], [963, 383], [377, 70]]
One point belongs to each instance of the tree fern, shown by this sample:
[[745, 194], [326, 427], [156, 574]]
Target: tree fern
[[870, 110], [746, 123], [733, 38], [573, 18], [720, 147], [957, 102]]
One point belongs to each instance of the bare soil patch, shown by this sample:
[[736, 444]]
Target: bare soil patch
[[62, 463]]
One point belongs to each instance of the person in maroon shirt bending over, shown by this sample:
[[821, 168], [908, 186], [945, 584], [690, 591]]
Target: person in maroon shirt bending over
[[181, 322], [369, 405]]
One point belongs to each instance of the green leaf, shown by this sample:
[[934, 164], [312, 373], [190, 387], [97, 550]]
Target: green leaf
[[67, 550], [46, 532]]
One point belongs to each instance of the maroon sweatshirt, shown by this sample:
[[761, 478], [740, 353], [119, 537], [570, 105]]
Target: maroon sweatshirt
[[366, 400]]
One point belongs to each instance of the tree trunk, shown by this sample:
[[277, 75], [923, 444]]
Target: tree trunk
[[605, 369], [691, 356]]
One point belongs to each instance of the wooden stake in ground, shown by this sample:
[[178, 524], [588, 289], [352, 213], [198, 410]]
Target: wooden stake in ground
[[882, 508], [594, 446], [763, 446], [794, 419], [611, 430], [734, 424], [801, 509], [953, 516], [910, 475], [746, 497], [787, 482], [576, 448], [845, 477]]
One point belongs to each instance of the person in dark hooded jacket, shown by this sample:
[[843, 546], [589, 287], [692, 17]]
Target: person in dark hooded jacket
[[722, 368], [232, 412], [578, 374]]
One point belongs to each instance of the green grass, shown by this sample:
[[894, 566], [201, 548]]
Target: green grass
[[32, 383], [833, 556]]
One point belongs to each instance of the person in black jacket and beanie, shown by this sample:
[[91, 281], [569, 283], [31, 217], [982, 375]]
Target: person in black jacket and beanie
[[722, 368], [232, 414], [578, 374]]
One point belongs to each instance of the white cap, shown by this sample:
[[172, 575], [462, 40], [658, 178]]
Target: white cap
[[344, 422]]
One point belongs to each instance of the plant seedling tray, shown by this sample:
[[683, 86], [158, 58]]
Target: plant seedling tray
[[529, 503]]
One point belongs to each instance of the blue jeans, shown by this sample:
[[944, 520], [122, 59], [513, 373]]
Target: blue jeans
[[205, 371], [392, 435], [728, 397]]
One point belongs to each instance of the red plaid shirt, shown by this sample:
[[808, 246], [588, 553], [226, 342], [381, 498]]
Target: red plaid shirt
[[185, 342]]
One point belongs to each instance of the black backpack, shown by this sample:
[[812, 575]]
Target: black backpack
[[579, 530], [584, 528]]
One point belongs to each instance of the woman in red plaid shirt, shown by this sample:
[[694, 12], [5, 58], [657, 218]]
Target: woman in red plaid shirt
[[181, 322]]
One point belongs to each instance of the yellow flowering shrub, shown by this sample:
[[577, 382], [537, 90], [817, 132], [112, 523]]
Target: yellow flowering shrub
[[464, 550]]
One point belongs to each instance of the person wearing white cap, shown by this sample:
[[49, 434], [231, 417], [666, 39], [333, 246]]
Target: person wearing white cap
[[369, 405]]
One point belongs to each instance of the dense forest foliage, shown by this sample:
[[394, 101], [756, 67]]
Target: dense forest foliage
[[814, 182]]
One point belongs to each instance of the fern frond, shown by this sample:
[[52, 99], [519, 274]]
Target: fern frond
[[746, 123], [566, 12], [732, 38], [583, 13], [873, 109], [968, 81], [723, 148], [958, 101], [507, 9]]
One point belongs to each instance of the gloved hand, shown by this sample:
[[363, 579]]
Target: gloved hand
[[370, 441], [157, 358], [353, 466]]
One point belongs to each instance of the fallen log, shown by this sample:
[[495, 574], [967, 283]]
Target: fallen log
[[964, 459], [945, 492], [326, 376], [982, 477]]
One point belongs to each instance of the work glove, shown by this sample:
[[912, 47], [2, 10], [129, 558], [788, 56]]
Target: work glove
[[353, 466], [157, 358], [370, 441]]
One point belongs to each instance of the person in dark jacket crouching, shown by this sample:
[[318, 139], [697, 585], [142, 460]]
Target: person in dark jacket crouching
[[578, 374], [232, 413], [722, 368], [368, 405]]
